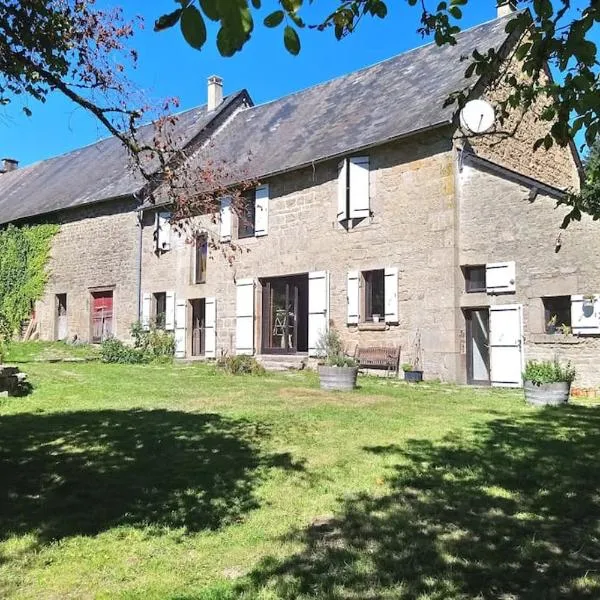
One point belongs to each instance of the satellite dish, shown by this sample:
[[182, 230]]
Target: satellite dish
[[477, 116]]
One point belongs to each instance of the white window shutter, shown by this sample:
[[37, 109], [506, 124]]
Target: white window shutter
[[353, 299], [210, 328], [318, 309], [585, 315], [359, 187], [163, 231], [170, 311], [342, 213], [262, 211], [244, 317], [500, 277], [225, 219], [391, 295], [146, 307], [180, 327]]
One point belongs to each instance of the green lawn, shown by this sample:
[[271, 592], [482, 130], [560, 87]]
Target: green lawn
[[181, 483]]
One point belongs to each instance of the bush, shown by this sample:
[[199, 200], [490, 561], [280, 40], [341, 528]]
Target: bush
[[330, 349], [241, 365], [539, 372], [149, 345]]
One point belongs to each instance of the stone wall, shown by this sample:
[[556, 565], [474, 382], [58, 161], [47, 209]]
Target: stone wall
[[412, 227], [96, 248], [498, 223]]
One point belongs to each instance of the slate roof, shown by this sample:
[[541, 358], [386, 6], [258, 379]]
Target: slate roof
[[388, 100], [393, 98], [97, 172]]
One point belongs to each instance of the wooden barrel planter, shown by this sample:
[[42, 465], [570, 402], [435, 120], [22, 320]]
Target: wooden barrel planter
[[547, 394], [342, 379]]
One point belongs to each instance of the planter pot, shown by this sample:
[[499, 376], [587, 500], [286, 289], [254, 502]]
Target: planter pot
[[551, 329], [375, 318], [414, 376], [342, 379], [547, 394]]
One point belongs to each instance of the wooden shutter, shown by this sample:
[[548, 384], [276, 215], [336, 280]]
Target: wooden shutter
[[210, 328], [146, 308], [500, 277], [225, 218], [163, 231], [506, 335], [180, 327], [244, 317], [391, 295], [261, 217], [585, 315], [353, 298], [342, 211], [170, 311], [359, 187], [318, 309]]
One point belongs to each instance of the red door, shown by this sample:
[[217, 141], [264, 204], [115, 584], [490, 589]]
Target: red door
[[102, 316]]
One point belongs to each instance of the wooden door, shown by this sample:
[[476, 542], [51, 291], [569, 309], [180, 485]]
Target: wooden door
[[62, 326], [280, 315], [506, 336], [198, 327], [102, 316]]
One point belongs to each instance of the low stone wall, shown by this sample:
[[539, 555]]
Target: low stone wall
[[582, 351], [12, 381]]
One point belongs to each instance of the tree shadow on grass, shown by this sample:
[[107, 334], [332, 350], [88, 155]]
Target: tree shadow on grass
[[73, 473], [508, 511]]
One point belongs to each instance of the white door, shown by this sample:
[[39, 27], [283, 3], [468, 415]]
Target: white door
[[318, 308], [506, 347], [244, 317], [210, 328], [180, 327]]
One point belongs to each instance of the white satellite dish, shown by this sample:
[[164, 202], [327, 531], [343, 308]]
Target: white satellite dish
[[477, 116]]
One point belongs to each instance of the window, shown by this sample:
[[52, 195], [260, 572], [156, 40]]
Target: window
[[374, 295], [160, 309], [247, 216], [557, 314], [162, 232], [200, 259], [475, 279], [353, 189]]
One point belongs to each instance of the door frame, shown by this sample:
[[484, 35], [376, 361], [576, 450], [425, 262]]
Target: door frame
[[467, 312], [266, 317], [99, 290]]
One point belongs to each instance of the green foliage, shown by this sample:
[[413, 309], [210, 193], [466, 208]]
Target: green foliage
[[241, 365], [24, 253], [151, 345], [330, 348], [540, 372], [407, 367]]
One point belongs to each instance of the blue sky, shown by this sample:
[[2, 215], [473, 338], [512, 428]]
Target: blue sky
[[168, 67]]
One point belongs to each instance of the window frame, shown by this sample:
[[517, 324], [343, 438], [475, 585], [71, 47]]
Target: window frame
[[159, 298], [200, 256], [367, 285], [549, 312], [246, 226]]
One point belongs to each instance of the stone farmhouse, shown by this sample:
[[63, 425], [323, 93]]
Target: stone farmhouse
[[373, 215]]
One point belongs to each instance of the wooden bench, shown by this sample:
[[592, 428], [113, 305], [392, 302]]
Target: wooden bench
[[378, 357]]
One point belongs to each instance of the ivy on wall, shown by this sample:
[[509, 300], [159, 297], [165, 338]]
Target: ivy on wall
[[24, 254]]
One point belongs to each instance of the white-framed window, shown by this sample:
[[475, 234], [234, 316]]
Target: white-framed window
[[491, 278], [162, 231], [353, 189], [372, 296]]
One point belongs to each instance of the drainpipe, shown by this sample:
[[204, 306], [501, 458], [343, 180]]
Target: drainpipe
[[140, 218]]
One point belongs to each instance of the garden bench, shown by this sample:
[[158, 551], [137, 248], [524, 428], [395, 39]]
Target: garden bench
[[378, 357]]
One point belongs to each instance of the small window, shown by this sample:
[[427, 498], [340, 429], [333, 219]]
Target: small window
[[160, 309], [374, 296], [475, 280], [200, 258], [557, 314], [247, 216]]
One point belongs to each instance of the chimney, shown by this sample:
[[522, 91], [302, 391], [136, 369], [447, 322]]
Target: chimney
[[8, 165], [215, 92], [506, 7]]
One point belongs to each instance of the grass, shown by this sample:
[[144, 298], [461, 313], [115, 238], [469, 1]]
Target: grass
[[181, 483]]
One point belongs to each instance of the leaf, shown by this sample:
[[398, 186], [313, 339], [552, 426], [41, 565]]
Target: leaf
[[274, 19], [455, 12], [167, 21], [210, 9], [193, 27], [291, 40]]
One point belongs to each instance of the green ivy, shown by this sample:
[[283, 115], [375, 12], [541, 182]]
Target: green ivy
[[24, 254]]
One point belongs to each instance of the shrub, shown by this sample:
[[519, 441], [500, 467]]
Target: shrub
[[539, 372], [330, 349], [149, 345], [241, 365]]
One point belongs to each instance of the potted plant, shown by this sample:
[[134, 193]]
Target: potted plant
[[337, 370], [551, 324], [547, 383], [376, 318], [565, 329], [411, 373]]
